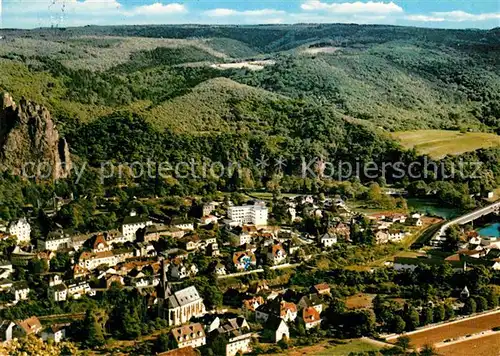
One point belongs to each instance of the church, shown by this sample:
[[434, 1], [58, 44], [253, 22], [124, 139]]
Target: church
[[180, 306]]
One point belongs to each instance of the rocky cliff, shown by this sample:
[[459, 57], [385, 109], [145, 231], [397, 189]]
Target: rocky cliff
[[29, 142]]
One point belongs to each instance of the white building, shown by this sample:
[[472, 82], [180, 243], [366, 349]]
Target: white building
[[220, 269], [179, 307], [21, 229], [248, 214], [189, 335], [328, 240], [278, 328], [208, 208], [277, 307], [133, 223], [181, 270], [6, 269], [276, 254], [21, 291], [311, 318], [91, 260], [56, 240], [55, 333], [58, 293], [183, 225], [77, 290], [239, 336], [244, 238]]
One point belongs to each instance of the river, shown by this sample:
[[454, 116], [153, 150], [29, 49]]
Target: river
[[431, 207], [490, 230]]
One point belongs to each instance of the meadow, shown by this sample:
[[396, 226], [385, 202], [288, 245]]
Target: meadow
[[439, 143]]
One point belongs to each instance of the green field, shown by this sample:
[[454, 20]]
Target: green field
[[353, 346], [324, 349], [439, 143]]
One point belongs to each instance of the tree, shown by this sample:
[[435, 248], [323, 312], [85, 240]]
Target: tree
[[32, 345], [492, 298], [479, 277], [38, 266], [427, 316], [449, 312], [452, 235], [218, 344], [404, 343], [358, 323], [163, 343], [439, 313], [469, 306], [398, 324], [301, 329], [214, 296], [91, 331], [131, 325], [334, 311], [428, 350], [61, 262], [283, 343], [411, 318], [481, 303]]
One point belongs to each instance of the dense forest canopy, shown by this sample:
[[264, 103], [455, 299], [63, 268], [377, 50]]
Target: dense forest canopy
[[329, 91]]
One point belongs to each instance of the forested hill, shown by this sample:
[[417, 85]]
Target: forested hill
[[260, 80], [239, 93], [269, 38], [393, 77]]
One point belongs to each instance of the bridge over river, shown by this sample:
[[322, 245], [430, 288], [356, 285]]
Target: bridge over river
[[439, 237]]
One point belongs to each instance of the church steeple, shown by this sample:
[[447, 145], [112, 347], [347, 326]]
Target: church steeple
[[164, 290]]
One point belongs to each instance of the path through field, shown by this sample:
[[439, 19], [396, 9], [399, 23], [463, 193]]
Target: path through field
[[454, 330], [484, 346]]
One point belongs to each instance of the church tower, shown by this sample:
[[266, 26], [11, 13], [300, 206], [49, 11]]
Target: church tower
[[163, 291]]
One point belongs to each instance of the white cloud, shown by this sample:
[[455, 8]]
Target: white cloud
[[221, 12], [465, 16], [358, 19], [59, 6], [424, 18], [274, 21], [157, 9], [454, 16], [31, 13], [230, 12], [91, 6], [353, 7]]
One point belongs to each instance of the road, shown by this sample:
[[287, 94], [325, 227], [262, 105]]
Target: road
[[464, 219], [377, 342], [465, 338], [259, 270], [62, 316]]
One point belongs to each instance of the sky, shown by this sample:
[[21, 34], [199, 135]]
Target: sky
[[484, 14]]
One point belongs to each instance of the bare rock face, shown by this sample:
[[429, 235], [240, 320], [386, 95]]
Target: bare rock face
[[30, 145]]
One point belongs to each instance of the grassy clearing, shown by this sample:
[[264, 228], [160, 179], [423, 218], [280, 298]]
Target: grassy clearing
[[332, 349], [99, 53], [439, 143], [360, 301], [354, 346]]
